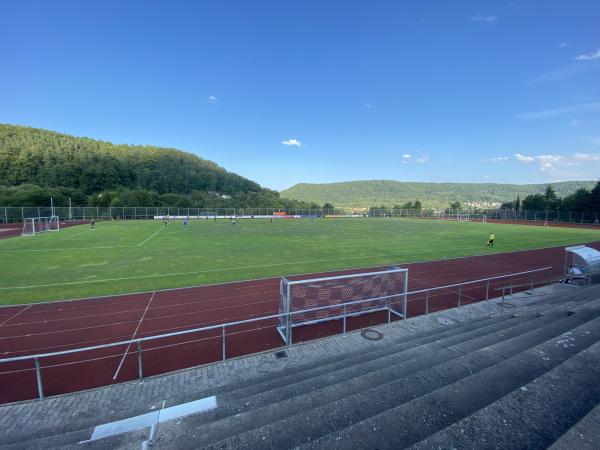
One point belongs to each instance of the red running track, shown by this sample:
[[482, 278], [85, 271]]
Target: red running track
[[15, 229], [51, 327]]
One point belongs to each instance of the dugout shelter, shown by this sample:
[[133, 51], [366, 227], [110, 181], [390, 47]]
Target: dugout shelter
[[585, 259]]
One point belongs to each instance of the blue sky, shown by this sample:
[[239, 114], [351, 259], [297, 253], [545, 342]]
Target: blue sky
[[288, 91]]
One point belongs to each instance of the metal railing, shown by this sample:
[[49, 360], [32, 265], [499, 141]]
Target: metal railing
[[36, 358], [11, 214]]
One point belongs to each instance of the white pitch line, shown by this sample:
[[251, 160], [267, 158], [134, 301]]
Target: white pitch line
[[15, 315], [142, 243], [133, 336], [68, 283], [226, 269]]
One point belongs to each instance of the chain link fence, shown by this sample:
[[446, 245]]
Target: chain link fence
[[12, 214]]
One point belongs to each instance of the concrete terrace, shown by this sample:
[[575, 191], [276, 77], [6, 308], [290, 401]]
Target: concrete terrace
[[518, 374]]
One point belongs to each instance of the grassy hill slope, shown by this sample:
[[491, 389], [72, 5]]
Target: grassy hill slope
[[389, 193]]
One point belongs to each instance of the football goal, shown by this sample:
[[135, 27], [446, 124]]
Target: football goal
[[314, 300], [35, 225], [473, 218], [461, 216]]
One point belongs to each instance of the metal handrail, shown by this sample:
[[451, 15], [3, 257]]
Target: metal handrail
[[138, 341], [256, 319]]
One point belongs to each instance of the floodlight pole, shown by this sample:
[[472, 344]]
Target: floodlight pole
[[51, 207]]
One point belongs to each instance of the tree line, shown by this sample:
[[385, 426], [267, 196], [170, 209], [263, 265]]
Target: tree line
[[582, 199], [390, 193], [38, 164]]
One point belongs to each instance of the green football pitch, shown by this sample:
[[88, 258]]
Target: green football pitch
[[132, 256]]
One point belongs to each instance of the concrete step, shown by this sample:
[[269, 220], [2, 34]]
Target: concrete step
[[274, 384], [300, 395], [79, 439], [584, 434], [374, 370], [377, 397], [395, 427], [287, 378], [45, 439], [537, 414]]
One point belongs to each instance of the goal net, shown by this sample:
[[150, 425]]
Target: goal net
[[35, 225], [310, 301], [473, 218], [461, 216]]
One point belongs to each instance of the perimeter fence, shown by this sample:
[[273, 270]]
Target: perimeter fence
[[12, 214]]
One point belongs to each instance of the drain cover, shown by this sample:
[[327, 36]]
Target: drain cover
[[371, 335], [280, 355]]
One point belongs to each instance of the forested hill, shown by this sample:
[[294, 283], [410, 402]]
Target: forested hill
[[37, 163], [389, 193]]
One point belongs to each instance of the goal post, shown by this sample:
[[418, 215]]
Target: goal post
[[35, 225], [314, 300]]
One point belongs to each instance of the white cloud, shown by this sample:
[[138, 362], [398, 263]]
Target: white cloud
[[574, 166], [586, 157], [423, 158], [562, 45], [555, 112], [212, 99], [588, 56], [292, 143], [480, 18], [564, 73], [500, 158], [368, 105], [406, 156], [523, 158]]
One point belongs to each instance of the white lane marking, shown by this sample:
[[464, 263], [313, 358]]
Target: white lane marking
[[133, 336], [153, 418], [151, 236], [16, 314]]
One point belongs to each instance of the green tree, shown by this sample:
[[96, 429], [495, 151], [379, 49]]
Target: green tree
[[579, 201], [535, 202], [551, 201], [455, 205], [595, 198]]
